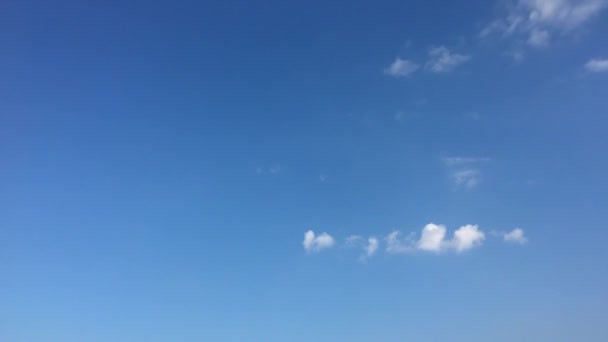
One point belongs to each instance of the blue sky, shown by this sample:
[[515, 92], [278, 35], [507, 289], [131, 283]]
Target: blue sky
[[303, 171]]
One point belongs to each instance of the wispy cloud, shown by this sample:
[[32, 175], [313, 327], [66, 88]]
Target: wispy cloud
[[442, 60], [313, 243], [401, 68], [467, 178], [272, 170], [369, 247], [597, 65], [539, 38], [537, 20], [515, 236], [372, 246], [464, 171]]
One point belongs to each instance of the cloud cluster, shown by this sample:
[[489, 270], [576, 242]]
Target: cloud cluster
[[536, 21], [313, 243], [441, 60], [433, 238]]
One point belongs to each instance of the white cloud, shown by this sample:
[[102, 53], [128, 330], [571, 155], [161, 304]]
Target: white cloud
[[462, 173], [597, 65], [442, 60], [467, 237], [515, 236], [467, 178], [538, 38], [372, 246], [537, 20], [317, 243], [432, 238], [401, 68]]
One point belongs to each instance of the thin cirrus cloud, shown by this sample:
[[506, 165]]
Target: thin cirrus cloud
[[314, 243], [597, 65], [536, 21], [441, 60]]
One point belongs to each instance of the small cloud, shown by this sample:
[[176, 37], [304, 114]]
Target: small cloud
[[372, 246], [538, 38], [316, 243], [597, 65], [462, 171], [273, 170], [468, 178], [369, 248], [467, 237], [322, 178], [401, 68], [442, 60], [515, 236], [432, 238]]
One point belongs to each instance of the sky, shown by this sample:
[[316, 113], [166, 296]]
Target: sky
[[303, 170]]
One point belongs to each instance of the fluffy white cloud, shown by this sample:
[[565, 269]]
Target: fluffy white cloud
[[317, 243], [401, 68], [372, 246], [432, 238], [467, 237], [442, 60], [597, 65], [515, 236], [537, 19]]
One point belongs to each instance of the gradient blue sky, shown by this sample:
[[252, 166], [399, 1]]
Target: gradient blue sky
[[161, 161]]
